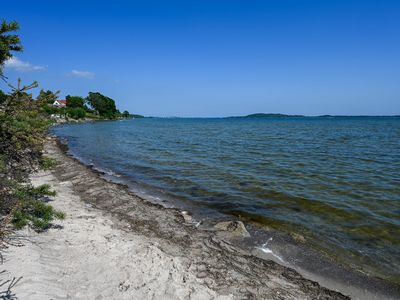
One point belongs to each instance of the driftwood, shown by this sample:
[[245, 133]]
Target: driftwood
[[8, 285]]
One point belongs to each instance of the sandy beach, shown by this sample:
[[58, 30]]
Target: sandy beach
[[200, 150], [115, 245]]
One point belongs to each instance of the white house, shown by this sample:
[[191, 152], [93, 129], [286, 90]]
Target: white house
[[60, 103]]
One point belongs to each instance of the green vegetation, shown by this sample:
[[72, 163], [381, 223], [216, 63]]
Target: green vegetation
[[47, 97], [3, 97], [24, 122], [105, 106], [94, 107], [76, 112], [23, 127], [47, 163], [75, 102], [262, 115], [136, 116], [32, 212], [8, 42]]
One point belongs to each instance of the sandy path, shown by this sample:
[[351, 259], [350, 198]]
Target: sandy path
[[114, 245]]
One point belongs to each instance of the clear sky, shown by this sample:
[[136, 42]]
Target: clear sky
[[215, 58]]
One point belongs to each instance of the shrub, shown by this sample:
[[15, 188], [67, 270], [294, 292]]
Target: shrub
[[47, 163], [23, 128], [76, 113], [33, 212]]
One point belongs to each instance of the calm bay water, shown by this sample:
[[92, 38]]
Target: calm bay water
[[336, 181]]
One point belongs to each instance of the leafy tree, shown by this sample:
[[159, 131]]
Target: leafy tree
[[126, 114], [105, 106], [8, 42], [75, 101]]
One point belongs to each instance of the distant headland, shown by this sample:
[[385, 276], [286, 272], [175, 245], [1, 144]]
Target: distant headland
[[277, 115]]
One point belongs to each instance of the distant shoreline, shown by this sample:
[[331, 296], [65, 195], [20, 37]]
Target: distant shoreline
[[263, 115], [279, 116]]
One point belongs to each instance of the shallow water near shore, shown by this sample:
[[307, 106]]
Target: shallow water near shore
[[333, 183]]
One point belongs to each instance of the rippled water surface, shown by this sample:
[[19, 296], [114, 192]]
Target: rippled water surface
[[335, 181]]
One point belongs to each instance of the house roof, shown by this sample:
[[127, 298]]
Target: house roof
[[62, 101]]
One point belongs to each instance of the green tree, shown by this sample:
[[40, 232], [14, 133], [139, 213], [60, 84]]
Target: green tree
[[47, 97], [126, 114], [8, 42], [105, 106], [75, 101]]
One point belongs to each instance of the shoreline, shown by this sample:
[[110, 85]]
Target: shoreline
[[214, 263]]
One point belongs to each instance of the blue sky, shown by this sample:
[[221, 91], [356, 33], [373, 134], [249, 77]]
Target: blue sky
[[215, 58]]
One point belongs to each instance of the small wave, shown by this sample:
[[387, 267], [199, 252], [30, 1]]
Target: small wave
[[264, 248], [107, 172]]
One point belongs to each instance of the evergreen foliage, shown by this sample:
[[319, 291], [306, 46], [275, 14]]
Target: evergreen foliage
[[3, 97], [47, 97], [8, 42]]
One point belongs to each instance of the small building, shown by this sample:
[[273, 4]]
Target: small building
[[60, 103]]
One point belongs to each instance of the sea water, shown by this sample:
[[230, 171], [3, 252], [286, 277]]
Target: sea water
[[334, 181]]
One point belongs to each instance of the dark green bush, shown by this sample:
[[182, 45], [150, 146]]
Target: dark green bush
[[31, 210], [76, 112]]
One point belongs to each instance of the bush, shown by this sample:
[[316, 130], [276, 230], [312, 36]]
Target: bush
[[76, 113], [47, 163], [33, 212], [51, 110], [36, 214]]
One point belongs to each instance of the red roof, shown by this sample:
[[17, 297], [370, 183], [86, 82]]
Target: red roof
[[62, 101]]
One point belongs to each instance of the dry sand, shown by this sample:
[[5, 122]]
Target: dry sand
[[115, 245]]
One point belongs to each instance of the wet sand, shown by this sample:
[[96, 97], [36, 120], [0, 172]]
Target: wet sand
[[115, 245]]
